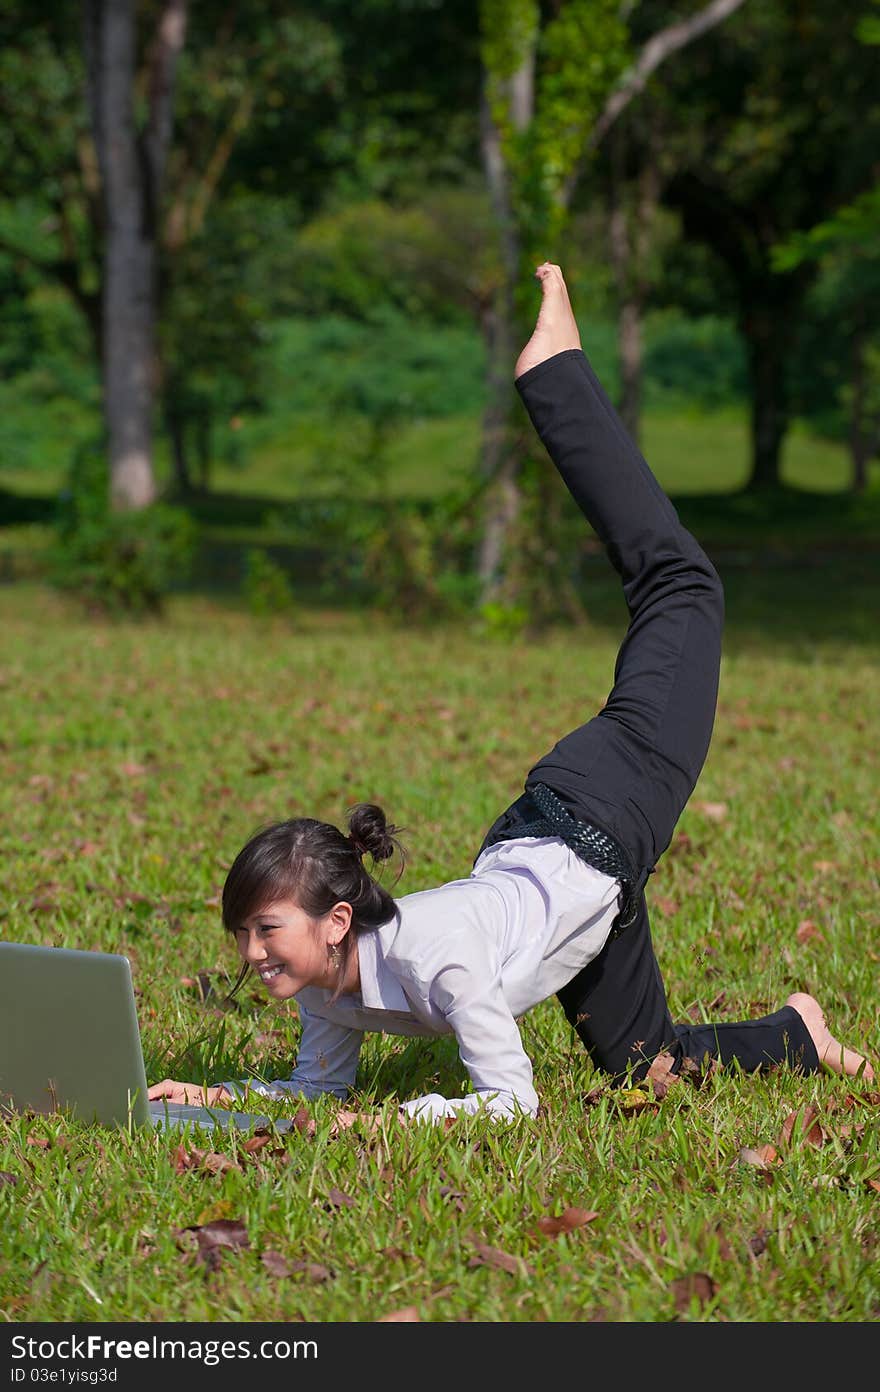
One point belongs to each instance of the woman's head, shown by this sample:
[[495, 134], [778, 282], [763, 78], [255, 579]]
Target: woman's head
[[314, 878]]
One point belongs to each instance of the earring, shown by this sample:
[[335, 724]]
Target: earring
[[335, 956]]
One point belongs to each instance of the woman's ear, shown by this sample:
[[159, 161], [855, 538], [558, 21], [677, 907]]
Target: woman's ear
[[338, 922]]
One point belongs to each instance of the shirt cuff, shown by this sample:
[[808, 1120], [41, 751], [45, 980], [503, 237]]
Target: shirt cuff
[[500, 1106]]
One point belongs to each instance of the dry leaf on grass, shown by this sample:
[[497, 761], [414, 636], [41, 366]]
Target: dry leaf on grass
[[452, 1196], [698, 1286], [803, 1123], [568, 1220], [212, 1238], [337, 1199], [697, 1073], [765, 1158], [758, 1244], [408, 1314], [661, 1075], [257, 1142], [807, 931], [210, 1160], [484, 1255], [304, 1123], [313, 1271]]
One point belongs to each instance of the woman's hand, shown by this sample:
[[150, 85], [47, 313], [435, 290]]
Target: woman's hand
[[188, 1092]]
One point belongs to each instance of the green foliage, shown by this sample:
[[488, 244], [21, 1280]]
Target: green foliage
[[417, 563], [841, 326], [116, 562], [266, 585], [854, 229], [696, 361], [504, 620], [413, 560], [584, 50], [543, 550], [50, 389], [213, 333], [579, 53], [434, 259], [344, 371], [868, 27]]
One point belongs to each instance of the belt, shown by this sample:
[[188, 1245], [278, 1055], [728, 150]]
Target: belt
[[590, 844]]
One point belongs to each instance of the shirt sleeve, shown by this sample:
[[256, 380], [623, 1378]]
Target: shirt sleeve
[[467, 991], [327, 1061]]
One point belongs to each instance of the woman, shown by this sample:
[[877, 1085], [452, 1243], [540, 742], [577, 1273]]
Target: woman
[[555, 902]]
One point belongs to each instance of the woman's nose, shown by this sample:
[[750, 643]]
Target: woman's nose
[[253, 949]]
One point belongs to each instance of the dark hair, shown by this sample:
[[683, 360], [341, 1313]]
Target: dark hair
[[316, 865]]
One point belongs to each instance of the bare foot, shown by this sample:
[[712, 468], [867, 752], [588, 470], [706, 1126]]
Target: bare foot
[[556, 329], [832, 1054]]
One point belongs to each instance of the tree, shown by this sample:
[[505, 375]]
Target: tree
[[846, 249], [551, 92], [80, 179], [774, 123]]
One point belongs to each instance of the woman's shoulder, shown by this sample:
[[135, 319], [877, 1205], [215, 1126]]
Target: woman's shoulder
[[432, 924]]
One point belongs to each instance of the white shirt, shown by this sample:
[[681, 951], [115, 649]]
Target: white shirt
[[466, 959]]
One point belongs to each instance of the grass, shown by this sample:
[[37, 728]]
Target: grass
[[691, 451], [138, 758]]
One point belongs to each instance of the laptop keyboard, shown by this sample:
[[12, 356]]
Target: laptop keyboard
[[167, 1115]]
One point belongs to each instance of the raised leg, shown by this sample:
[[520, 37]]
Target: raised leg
[[633, 766]]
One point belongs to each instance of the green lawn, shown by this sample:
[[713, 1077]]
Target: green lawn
[[690, 452], [137, 759]]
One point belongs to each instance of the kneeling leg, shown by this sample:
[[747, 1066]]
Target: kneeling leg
[[617, 1006]]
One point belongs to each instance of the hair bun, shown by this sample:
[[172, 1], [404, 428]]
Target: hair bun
[[371, 834]]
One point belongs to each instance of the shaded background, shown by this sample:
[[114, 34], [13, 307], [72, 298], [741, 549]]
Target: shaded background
[[265, 270]]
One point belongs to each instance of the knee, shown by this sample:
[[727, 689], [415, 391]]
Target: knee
[[703, 585], [715, 590]]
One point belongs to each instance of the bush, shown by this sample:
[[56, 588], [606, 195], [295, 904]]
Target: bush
[[266, 587], [411, 558], [699, 361], [116, 562]]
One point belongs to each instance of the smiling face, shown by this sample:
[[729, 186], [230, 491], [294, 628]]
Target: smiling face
[[288, 949]]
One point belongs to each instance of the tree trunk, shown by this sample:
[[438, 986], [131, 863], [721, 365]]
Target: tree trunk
[[631, 231], [174, 424], [495, 444], [629, 340], [204, 452], [500, 458], [859, 448], [132, 169], [765, 327], [629, 309], [129, 254]]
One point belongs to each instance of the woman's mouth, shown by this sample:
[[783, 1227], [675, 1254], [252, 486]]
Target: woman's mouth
[[269, 973]]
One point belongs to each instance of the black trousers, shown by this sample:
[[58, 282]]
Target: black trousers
[[632, 768]]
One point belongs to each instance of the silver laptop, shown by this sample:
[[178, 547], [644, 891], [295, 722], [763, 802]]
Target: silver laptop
[[69, 1038]]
